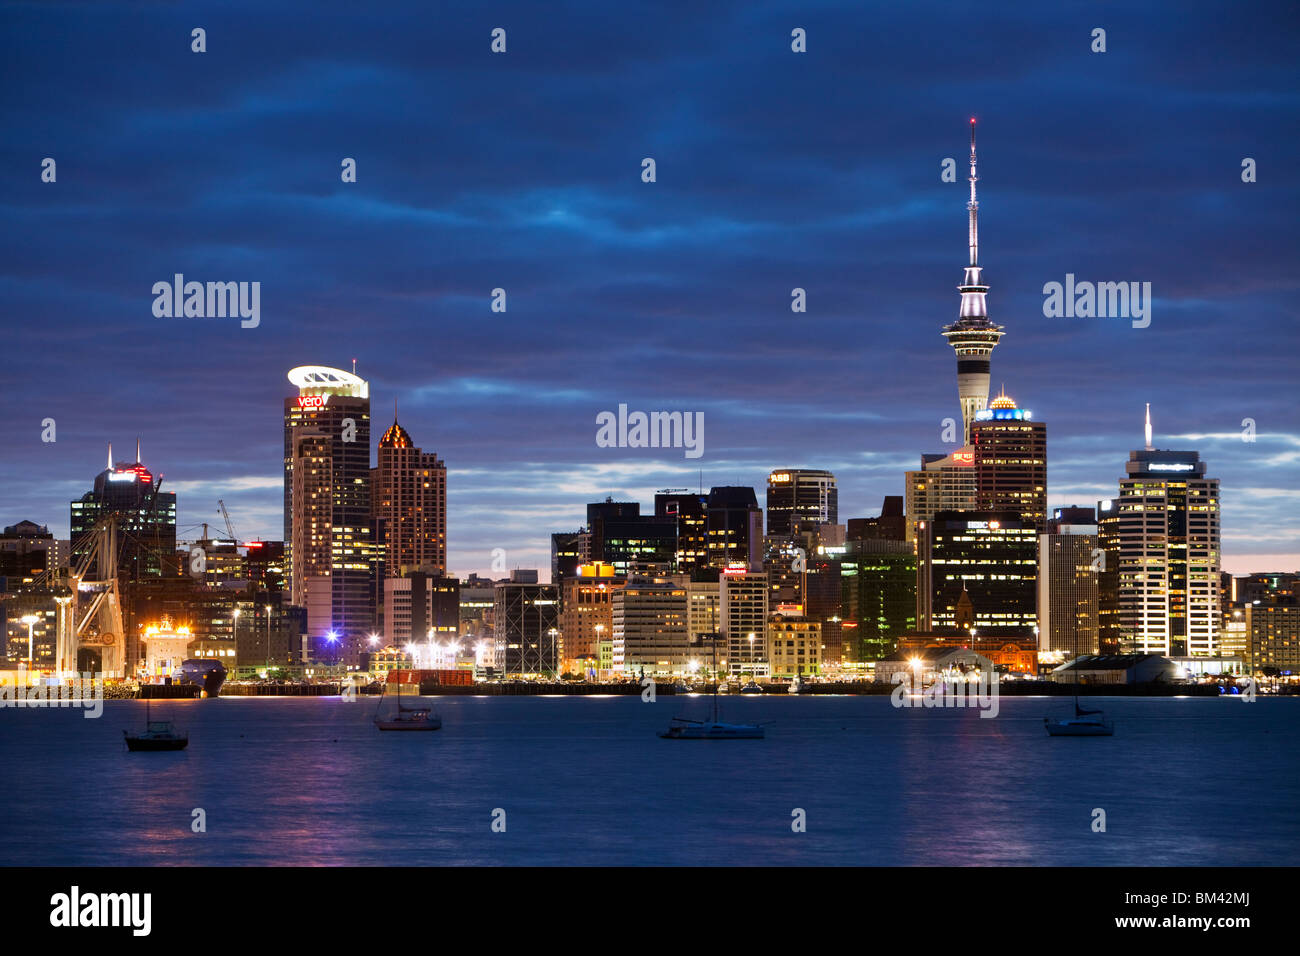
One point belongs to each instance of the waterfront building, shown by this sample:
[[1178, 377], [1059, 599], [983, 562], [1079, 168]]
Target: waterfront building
[[526, 628], [794, 646], [987, 558], [743, 606], [650, 628], [878, 597], [1068, 572], [330, 547], [1118, 669], [587, 615], [1160, 589], [420, 607]]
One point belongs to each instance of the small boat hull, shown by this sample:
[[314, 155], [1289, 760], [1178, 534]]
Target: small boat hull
[[708, 731], [1079, 728], [156, 743], [429, 723]]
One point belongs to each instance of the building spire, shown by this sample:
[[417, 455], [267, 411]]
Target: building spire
[[973, 205], [137, 450], [110, 456], [1148, 428]]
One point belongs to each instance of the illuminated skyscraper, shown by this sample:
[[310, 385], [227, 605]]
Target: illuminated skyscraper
[[1160, 594], [1011, 461], [800, 493], [409, 490], [329, 548], [987, 560], [972, 336]]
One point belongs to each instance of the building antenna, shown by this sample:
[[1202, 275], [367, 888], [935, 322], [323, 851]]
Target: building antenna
[[973, 205], [137, 450], [110, 456], [1148, 428], [354, 366]]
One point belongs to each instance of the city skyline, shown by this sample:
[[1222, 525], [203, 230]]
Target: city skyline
[[624, 292]]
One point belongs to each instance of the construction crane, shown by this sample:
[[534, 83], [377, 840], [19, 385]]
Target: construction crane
[[230, 529]]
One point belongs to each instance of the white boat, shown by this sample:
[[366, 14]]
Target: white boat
[[1084, 723], [407, 718], [684, 728], [796, 685]]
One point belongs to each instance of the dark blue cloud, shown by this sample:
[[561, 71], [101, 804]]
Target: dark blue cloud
[[522, 171]]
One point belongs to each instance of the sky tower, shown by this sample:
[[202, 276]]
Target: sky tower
[[972, 336]]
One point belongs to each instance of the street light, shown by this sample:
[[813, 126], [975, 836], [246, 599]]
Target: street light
[[268, 636]]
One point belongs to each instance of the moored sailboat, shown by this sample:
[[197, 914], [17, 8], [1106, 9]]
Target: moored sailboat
[[407, 718]]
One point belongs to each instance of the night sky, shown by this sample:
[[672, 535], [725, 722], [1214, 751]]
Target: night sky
[[522, 170]]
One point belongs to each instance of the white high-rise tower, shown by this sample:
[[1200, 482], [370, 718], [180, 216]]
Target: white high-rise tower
[[972, 336]]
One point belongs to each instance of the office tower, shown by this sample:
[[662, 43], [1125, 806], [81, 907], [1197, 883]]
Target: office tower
[[823, 602], [568, 551], [477, 607], [794, 646], [1068, 570], [1272, 633], [690, 511], [223, 564], [146, 547], [146, 518], [420, 607], [735, 527], [632, 542], [27, 551], [1267, 587], [329, 546], [785, 561], [743, 610], [1070, 515], [972, 337], [891, 525], [526, 624], [409, 495], [1011, 461], [587, 615], [1161, 543], [986, 558], [944, 483], [800, 492], [878, 597], [703, 616], [264, 565], [650, 628]]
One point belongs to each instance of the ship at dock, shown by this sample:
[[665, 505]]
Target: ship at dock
[[167, 660]]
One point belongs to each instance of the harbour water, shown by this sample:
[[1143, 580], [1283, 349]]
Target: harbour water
[[585, 780]]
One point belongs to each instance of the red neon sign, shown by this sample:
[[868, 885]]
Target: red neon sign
[[311, 401]]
